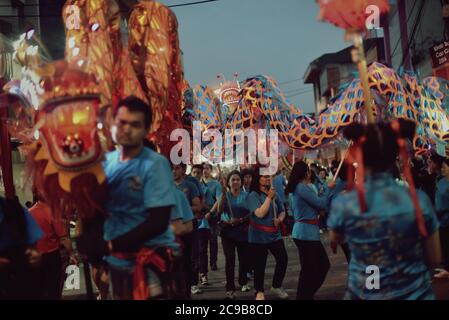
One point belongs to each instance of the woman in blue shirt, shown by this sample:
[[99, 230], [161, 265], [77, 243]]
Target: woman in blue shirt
[[306, 206], [442, 209], [234, 234], [266, 214], [390, 259]]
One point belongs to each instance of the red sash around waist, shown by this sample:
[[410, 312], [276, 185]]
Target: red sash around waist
[[261, 227], [314, 222], [144, 257]]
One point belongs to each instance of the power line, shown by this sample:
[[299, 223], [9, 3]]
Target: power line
[[298, 94], [399, 39], [296, 90], [57, 15], [289, 81], [191, 3], [406, 54]]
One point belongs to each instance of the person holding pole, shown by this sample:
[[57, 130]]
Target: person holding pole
[[306, 206], [266, 214]]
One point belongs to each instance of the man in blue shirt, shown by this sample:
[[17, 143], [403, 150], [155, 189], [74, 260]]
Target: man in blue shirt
[[214, 188], [203, 224], [138, 207], [193, 196]]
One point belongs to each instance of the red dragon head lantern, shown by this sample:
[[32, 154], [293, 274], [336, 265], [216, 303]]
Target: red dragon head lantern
[[68, 153]]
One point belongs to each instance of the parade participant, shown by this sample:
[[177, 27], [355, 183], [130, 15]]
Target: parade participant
[[320, 181], [340, 187], [55, 236], [387, 226], [182, 215], [266, 215], [203, 224], [279, 184], [215, 190], [181, 223], [140, 243], [19, 257], [234, 233], [247, 175], [306, 206], [193, 196], [434, 163], [91, 231], [442, 209]]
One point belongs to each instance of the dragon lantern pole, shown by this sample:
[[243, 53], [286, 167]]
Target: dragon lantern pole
[[353, 17]]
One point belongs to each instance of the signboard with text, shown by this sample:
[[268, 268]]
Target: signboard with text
[[440, 54]]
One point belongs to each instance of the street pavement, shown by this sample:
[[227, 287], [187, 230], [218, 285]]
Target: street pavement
[[332, 289]]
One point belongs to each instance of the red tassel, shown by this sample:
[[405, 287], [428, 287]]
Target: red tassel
[[356, 155], [402, 143]]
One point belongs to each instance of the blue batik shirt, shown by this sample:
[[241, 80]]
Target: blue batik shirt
[[7, 241], [442, 201], [135, 186], [387, 237], [239, 210], [256, 200], [306, 205]]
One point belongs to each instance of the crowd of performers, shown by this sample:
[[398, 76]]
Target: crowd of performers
[[153, 240]]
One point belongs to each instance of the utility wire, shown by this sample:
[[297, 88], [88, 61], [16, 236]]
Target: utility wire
[[57, 15]]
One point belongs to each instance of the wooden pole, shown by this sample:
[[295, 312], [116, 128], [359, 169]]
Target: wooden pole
[[363, 71], [341, 162]]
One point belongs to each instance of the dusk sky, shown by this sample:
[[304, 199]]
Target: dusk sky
[[273, 37]]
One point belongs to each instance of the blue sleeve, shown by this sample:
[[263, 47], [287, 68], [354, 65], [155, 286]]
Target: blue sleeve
[[253, 202], [158, 185], [198, 186], [279, 205], [186, 209], [430, 217], [311, 198], [194, 192], [34, 232], [336, 215], [176, 210], [217, 190]]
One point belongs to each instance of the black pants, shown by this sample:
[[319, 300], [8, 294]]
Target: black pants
[[51, 276], [260, 254], [200, 240], [187, 242], [204, 237], [444, 240], [19, 281], [229, 247], [213, 245], [314, 267]]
